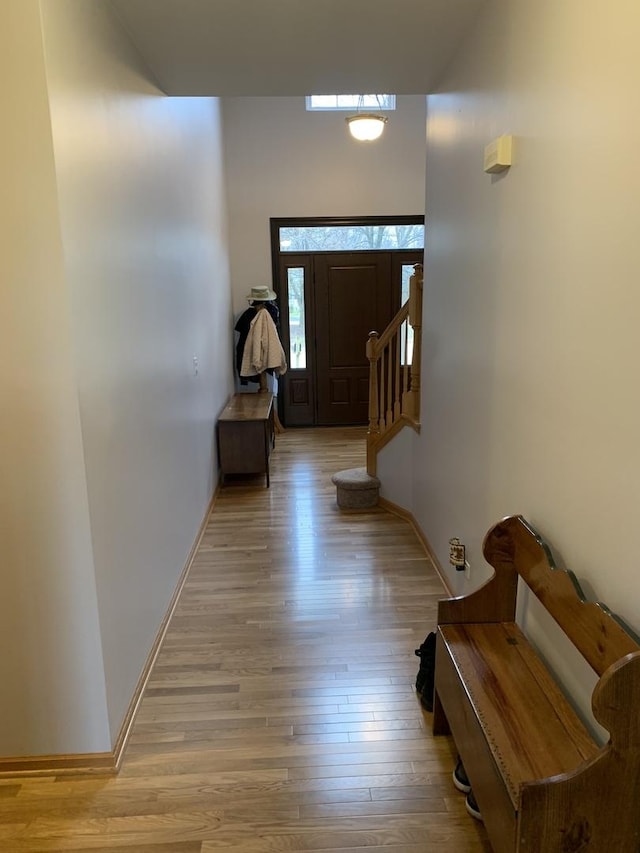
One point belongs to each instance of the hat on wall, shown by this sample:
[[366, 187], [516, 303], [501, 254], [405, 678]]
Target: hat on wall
[[261, 294]]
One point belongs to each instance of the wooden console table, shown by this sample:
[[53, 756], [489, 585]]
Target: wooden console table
[[246, 435]]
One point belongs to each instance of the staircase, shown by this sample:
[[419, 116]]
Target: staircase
[[394, 395]]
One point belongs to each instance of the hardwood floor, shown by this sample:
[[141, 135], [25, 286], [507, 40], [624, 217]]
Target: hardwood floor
[[280, 714]]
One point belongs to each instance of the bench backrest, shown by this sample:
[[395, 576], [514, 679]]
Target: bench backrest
[[513, 547]]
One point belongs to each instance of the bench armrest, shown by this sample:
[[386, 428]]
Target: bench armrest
[[494, 601]]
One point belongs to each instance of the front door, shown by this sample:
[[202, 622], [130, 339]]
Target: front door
[[330, 301], [353, 295]]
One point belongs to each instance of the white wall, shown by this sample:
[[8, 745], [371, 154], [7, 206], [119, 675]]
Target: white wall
[[144, 230], [395, 465], [284, 161], [53, 693], [113, 275], [531, 400]]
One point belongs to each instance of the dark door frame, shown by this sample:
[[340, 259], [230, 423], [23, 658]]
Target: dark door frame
[[277, 255]]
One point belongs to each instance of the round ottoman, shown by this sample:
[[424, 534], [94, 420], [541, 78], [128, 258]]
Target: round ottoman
[[355, 489]]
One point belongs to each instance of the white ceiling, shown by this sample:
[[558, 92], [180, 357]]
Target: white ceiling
[[296, 47]]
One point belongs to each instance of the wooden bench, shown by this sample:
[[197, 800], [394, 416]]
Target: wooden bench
[[542, 782], [246, 434]]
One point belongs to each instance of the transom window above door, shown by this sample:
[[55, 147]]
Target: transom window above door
[[363, 237], [337, 278]]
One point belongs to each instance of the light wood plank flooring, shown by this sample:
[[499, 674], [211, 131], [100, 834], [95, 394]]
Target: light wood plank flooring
[[281, 713]]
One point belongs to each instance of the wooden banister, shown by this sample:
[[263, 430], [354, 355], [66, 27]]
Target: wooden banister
[[394, 373]]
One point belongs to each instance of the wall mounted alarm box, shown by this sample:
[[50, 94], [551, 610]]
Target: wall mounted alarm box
[[497, 154]]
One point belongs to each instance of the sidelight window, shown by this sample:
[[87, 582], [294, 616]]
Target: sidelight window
[[297, 333], [406, 331]]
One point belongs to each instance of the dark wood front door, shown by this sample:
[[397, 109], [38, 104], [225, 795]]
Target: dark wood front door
[[353, 295], [329, 303]]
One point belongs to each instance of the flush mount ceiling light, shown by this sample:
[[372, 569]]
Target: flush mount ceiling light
[[366, 126]]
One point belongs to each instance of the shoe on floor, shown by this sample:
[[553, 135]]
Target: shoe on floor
[[472, 806], [460, 779], [426, 672]]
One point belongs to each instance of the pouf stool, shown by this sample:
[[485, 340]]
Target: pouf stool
[[355, 489]]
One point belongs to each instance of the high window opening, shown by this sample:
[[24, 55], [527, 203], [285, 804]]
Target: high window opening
[[350, 102]]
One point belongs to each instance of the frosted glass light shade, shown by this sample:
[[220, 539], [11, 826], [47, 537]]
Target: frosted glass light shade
[[366, 126]]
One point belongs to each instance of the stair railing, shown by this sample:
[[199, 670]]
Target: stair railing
[[394, 373]]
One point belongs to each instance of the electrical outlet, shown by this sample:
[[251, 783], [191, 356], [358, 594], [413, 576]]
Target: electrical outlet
[[456, 554], [196, 365]]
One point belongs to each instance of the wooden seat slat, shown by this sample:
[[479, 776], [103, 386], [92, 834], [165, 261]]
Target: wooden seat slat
[[532, 730]]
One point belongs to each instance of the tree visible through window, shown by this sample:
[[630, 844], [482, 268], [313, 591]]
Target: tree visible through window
[[297, 334], [351, 238]]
